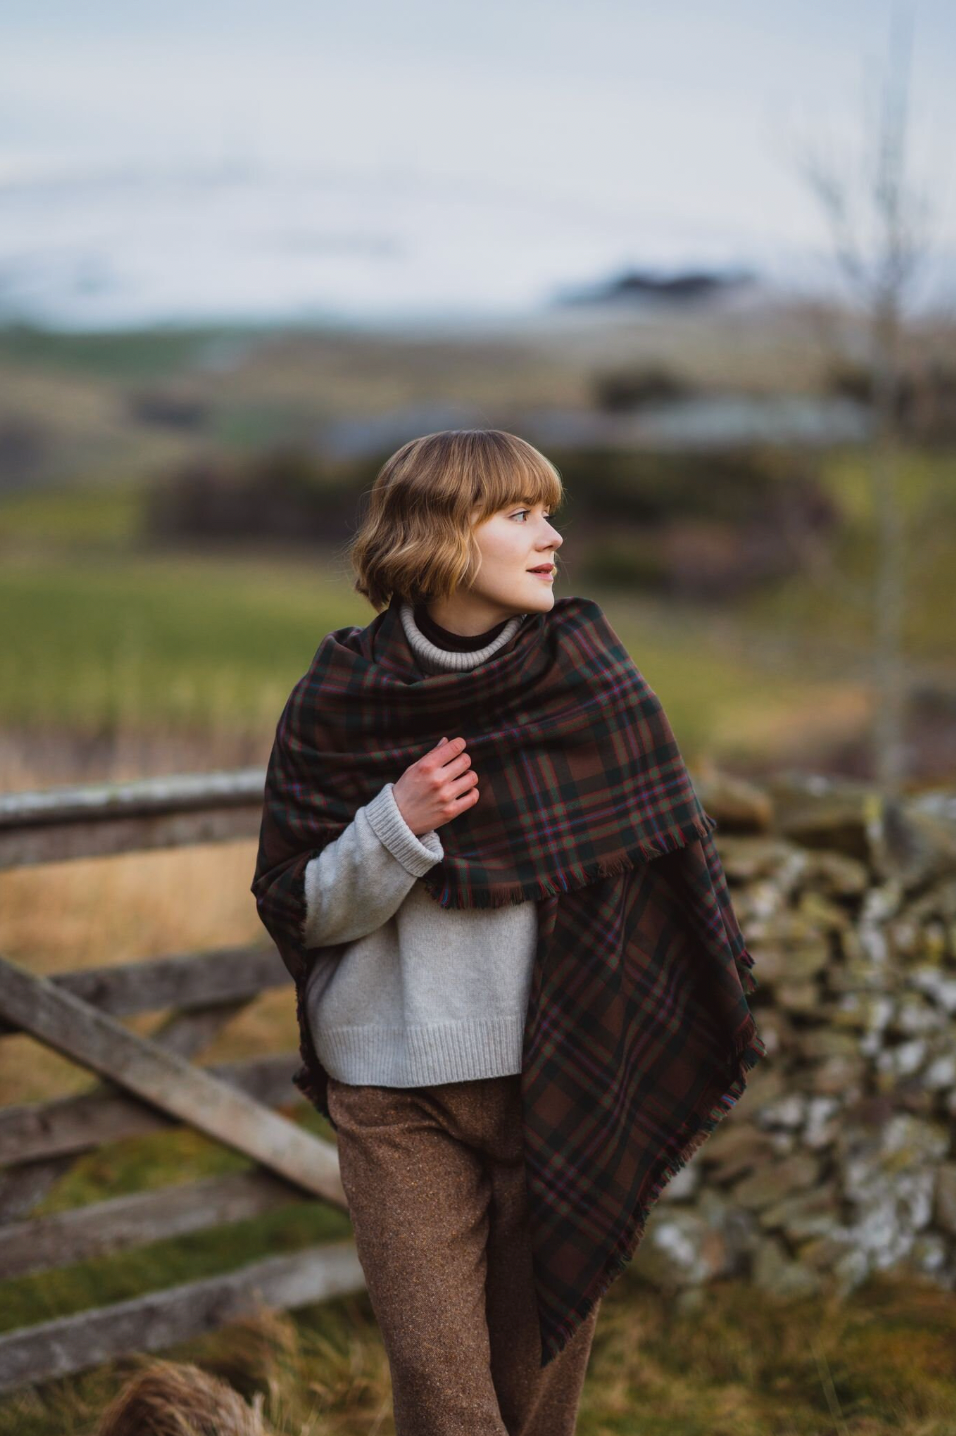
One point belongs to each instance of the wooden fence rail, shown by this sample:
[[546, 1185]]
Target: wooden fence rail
[[149, 1083], [104, 818]]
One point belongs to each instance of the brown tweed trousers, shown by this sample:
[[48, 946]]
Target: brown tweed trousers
[[435, 1182]]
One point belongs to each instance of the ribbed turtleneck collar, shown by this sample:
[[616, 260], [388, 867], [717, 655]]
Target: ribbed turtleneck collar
[[436, 658]]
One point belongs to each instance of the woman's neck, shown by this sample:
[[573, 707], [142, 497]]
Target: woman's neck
[[446, 638]]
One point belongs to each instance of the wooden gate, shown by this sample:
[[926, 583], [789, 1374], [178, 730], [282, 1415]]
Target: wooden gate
[[149, 1083]]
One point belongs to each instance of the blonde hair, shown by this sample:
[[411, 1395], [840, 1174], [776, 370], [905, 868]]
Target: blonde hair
[[415, 541]]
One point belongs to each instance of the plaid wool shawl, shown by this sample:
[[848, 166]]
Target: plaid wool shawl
[[638, 1034]]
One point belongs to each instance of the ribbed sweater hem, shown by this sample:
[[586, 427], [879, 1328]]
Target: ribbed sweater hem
[[409, 1056]]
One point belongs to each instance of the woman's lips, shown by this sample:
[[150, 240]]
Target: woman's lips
[[542, 572]]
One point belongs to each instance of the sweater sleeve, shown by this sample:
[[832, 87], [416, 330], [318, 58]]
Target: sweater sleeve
[[362, 878]]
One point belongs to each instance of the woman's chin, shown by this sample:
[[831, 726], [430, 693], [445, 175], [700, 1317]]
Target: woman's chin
[[543, 600]]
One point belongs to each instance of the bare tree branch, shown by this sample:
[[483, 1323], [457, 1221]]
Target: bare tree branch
[[879, 248]]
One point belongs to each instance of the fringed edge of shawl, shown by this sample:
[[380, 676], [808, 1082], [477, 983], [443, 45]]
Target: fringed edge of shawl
[[578, 875], [748, 1050]]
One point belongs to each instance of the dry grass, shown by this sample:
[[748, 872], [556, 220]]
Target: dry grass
[[737, 1363]]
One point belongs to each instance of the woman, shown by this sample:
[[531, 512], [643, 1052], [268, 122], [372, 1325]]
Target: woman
[[520, 982]]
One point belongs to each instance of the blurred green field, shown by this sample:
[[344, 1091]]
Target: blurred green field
[[159, 642], [200, 643], [103, 632]]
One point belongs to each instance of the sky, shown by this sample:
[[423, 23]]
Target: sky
[[379, 159]]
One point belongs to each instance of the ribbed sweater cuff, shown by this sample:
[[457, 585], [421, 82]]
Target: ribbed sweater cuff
[[414, 853], [420, 1056]]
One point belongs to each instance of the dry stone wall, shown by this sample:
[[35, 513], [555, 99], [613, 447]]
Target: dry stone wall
[[840, 1158]]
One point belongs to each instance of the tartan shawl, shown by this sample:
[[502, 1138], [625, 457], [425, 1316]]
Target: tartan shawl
[[638, 1034]]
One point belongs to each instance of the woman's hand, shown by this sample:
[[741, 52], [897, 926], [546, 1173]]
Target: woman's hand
[[437, 788]]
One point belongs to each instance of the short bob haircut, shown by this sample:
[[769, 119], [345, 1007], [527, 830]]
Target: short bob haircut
[[415, 541]]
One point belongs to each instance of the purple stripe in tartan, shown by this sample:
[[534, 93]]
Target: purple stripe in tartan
[[638, 1035]]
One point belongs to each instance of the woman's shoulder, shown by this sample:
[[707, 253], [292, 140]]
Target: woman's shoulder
[[581, 628], [576, 610]]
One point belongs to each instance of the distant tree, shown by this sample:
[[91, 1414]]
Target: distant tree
[[877, 224]]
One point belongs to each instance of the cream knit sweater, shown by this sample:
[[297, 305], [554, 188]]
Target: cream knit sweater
[[418, 994]]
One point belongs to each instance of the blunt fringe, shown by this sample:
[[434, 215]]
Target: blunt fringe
[[415, 540]]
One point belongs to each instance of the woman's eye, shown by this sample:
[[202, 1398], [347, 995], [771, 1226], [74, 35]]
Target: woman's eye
[[526, 511]]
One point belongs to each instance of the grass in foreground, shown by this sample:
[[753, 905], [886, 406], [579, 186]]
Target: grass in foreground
[[740, 1364]]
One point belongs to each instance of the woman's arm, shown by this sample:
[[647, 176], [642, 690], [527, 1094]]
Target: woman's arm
[[362, 878]]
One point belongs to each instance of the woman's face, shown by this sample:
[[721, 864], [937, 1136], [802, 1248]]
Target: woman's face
[[512, 542]]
